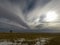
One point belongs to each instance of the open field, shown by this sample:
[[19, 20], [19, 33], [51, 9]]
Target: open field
[[27, 35], [29, 38]]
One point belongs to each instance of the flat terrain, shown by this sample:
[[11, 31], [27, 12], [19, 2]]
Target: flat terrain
[[27, 35]]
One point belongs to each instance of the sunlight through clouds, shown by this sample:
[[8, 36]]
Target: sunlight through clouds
[[51, 16]]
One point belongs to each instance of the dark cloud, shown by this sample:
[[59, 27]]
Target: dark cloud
[[29, 5], [5, 27], [8, 15]]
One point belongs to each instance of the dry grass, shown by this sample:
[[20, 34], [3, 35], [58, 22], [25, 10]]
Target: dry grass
[[26, 35]]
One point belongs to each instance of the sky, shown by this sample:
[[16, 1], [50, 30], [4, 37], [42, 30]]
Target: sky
[[28, 15]]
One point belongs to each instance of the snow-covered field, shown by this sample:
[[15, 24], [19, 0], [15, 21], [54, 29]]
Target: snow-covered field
[[38, 41]]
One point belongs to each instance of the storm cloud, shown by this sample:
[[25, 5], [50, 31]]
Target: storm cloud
[[26, 14]]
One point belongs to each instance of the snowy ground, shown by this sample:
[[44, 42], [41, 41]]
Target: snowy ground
[[38, 41]]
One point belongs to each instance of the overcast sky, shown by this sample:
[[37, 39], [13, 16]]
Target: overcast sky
[[25, 14]]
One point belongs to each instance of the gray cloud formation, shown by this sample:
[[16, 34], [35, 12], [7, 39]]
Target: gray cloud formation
[[17, 10], [24, 13]]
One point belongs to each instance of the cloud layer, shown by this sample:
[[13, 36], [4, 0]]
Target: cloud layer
[[26, 14]]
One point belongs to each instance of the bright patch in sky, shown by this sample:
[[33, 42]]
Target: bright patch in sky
[[51, 16]]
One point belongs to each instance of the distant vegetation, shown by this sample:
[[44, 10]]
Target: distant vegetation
[[27, 35]]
